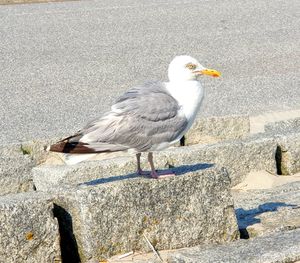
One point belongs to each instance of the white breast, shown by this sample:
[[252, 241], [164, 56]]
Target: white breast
[[189, 95]]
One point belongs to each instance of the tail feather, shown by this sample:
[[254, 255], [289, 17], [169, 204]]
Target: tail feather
[[65, 146], [71, 147]]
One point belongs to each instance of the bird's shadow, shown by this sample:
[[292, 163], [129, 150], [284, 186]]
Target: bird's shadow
[[180, 170], [248, 217]]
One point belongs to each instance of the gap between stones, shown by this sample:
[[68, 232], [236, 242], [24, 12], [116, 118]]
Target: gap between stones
[[68, 244]]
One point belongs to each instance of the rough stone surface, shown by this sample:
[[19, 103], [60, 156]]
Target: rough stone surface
[[48, 176], [288, 153], [214, 129], [111, 216], [260, 212], [15, 170], [280, 247], [283, 127], [16, 163], [239, 158], [29, 232], [36, 148]]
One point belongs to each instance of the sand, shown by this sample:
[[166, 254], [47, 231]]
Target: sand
[[258, 122], [264, 180]]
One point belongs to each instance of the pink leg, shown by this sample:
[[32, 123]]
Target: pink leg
[[139, 169], [154, 173]]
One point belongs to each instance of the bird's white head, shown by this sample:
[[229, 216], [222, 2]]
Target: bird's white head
[[184, 68]]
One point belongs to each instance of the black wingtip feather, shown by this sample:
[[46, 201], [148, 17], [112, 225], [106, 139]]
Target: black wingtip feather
[[71, 147]]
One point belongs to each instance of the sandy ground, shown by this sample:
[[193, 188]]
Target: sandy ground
[[258, 122], [265, 180]]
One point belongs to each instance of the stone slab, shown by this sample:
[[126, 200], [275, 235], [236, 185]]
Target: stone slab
[[239, 157], [111, 216], [16, 162], [260, 212], [15, 170], [28, 230], [215, 129], [284, 127], [288, 153], [280, 247]]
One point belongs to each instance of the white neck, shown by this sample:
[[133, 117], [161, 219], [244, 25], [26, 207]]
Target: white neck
[[189, 95]]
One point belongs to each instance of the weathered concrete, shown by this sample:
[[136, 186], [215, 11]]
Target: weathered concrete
[[276, 248], [112, 215], [215, 129], [29, 232], [260, 212]]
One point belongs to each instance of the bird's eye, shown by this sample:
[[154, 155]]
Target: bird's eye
[[190, 66]]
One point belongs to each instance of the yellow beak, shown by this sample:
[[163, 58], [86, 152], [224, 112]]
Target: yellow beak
[[209, 72]]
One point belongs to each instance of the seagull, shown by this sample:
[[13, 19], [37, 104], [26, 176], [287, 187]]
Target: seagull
[[146, 118]]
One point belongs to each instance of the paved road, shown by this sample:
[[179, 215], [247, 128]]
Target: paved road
[[62, 64]]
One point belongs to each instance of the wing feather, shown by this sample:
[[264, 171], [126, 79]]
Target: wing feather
[[142, 117]]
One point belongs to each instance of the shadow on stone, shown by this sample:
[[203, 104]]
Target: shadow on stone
[[177, 170], [278, 158], [68, 244], [183, 169], [248, 217], [182, 141]]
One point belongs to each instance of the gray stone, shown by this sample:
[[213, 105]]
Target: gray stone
[[112, 215], [215, 129], [16, 163], [285, 217], [239, 157], [15, 170], [260, 212], [36, 149], [48, 176], [283, 127], [288, 153], [280, 247], [29, 232]]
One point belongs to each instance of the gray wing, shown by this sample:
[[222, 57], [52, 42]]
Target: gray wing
[[140, 118]]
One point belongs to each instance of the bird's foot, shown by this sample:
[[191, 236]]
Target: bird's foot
[[162, 174], [141, 172]]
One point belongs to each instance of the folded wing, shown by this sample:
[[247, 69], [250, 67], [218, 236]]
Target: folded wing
[[142, 117]]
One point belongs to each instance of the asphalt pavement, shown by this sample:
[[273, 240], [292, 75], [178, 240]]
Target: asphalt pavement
[[64, 63]]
